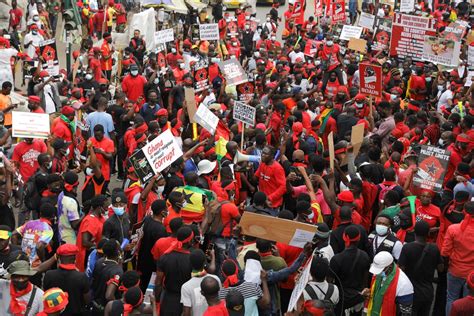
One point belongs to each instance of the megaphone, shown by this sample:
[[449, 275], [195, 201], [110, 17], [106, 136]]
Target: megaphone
[[239, 157]]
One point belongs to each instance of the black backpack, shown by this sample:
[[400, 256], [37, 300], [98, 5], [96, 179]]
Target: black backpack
[[31, 196], [327, 296]]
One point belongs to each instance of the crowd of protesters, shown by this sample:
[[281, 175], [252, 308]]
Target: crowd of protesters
[[82, 234]]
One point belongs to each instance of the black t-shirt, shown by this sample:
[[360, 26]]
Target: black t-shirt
[[152, 231], [420, 262], [105, 272], [350, 266], [337, 243], [89, 192], [7, 257], [344, 124], [73, 282], [172, 181], [177, 269], [117, 112], [117, 228], [177, 92]]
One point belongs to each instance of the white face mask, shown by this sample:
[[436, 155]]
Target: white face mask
[[268, 19], [310, 216], [134, 72], [49, 165], [329, 43], [273, 38], [393, 97], [36, 18], [89, 171], [234, 44], [88, 77], [381, 230], [256, 54], [441, 142], [215, 60], [247, 27], [156, 81], [160, 190], [428, 79], [173, 50], [67, 152], [182, 65]]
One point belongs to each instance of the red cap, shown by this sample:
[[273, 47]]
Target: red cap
[[103, 81], [33, 26], [67, 110], [463, 138], [346, 196], [34, 98], [359, 97], [67, 250], [43, 73], [297, 127], [162, 112]]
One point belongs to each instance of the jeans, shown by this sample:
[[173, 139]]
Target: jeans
[[326, 74], [224, 248], [457, 288]]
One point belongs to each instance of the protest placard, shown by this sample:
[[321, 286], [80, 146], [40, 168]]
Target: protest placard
[[407, 6], [441, 51], [370, 80], [201, 76], [142, 167], [432, 165], [454, 31], [191, 106], [49, 56], [382, 34], [30, 125], [300, 284], [338, 11], [162, 151], [318, 8], [244, 113], [164, 36], [233, 72], [206, 118], [367, 20], [469, 78], [331, 150], [209, 32], [408, 35], [357, 44], [246, 91], [350, 31], [311, 47]]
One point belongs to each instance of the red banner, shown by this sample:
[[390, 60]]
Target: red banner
[[338, 11], [311, 47], [370, 80], [298, 12], [318, 8]]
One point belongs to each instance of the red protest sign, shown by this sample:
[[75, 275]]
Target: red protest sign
[[318, 8], [370, 80], [338, 11]]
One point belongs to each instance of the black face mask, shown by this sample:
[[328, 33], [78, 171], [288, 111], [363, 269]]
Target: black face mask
[[162, 122], [20, 285], [56, 189]]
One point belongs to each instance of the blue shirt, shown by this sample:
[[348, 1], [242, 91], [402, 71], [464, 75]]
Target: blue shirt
[[102, 118]]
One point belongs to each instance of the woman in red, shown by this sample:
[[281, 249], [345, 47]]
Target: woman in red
[[428, 212], [90, 230]]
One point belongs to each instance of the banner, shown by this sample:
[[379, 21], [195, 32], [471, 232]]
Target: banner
[[209, 32], [201, 76], [164, 36], [155, 156], [441, 51], [407, 6], [246, 91], [49, 56], [233, 72], [370, 80], [408, 35], [30, 125], [432, 165], [350, 31], [298, 12], [338, 11], [382, 35], [311, 47], [145, 22], [318, 8], [367, 20], [244, 113], [206, 118]]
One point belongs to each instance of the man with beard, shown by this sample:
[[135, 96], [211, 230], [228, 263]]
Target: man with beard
[[19, 295]]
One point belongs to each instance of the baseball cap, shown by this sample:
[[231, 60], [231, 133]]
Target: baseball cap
[[118, 196], [381, 260], [60, 144], [234, 302]]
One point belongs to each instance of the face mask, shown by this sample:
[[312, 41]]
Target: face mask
[[393, 97], [273, 38], [383, 274], [181, 205], [89, 171], [310, 216], [134, 73], [440, 87], [347, 61], [329, 43], [36, 18], [34, 32], [45, 78], [256, 54], [88, 77], [268, 19], [381, 230], [441, 142], [156, 81], [173, 50], [118, 210], [215, 60], [182, 65], [428, 79], [160, 189], [67, 152], [49, 165], [20, 285], [234, 44]]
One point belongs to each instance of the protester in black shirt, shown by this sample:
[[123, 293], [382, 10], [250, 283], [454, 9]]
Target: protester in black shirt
[[117, 226], [174, 267], [419, 260], [351, 267], [174, 177], [337, 235], [68, 279], [153, 229]]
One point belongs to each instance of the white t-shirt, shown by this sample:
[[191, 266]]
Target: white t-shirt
[[404, 286], [48, 99], [191, 295], [294, 56], [36, 306], [443, 99], [321, 288], [35, 39]]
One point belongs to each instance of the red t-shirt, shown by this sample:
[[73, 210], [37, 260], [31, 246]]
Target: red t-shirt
[[463, 306], [228, 211], [107, 145], [121, 17], [133, 86], [92, 225], [332, 52], [61, 130], [272, 182], [27, 157], [171, 214], [161, 245], [15, 15], [172, 59], [217, 310], [95, 65], [290, 254], [417, 82], [38, 110]]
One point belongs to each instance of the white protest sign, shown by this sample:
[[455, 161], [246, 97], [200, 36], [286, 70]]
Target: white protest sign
[[470, 56], [244, 113], [367, 20], [206, 118], [162, 151], [349, 31], [299, 286], [407, 6], [469, 77], [164, 36], [30, 125], [209, 32], [441, 51]]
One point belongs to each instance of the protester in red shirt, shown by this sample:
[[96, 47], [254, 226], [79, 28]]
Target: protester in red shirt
[[458, 150], [400, 127], [90, 230], [173, 57], [418, 85], [465, 306], [64, 127], [16, 14], [210, 290], [25, 156], [99, 20], [133, 84], [428, 212], [176, 202], [105, 150], [34, 104], [271, 177]]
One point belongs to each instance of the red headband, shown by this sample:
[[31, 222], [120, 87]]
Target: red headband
[[348, 240], [230, 279], [69, 187]]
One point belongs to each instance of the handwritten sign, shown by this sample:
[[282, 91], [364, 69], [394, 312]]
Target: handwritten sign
[[350, 31], [30, 125], [209, 32], [367, 20], [244, 113]]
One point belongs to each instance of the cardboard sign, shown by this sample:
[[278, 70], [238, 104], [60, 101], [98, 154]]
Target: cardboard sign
[[350, 31], [382, 35], [357, 136], [359, 45], [331, 151], [276, 229], [190, 103], [432, 165], [338, 11], [300, 284], [30, 125], [370, 80], [49, 56], [367, 20], [233, 72], [441, 51], [209, 32], [407, 6], [408, 35], [164, 36], [206, 118], [244, 113]]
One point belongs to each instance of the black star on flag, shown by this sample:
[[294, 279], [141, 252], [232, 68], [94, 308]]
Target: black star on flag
[[187, 197], [432, 169]]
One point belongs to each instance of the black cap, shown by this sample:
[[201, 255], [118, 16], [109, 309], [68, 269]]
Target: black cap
[[322, 231], [234, 302], [60, 143], [118, 196]]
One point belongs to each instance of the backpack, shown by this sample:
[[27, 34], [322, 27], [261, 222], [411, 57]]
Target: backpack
[[327, 296], [384, 189], [213, 213], [31, 196]]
